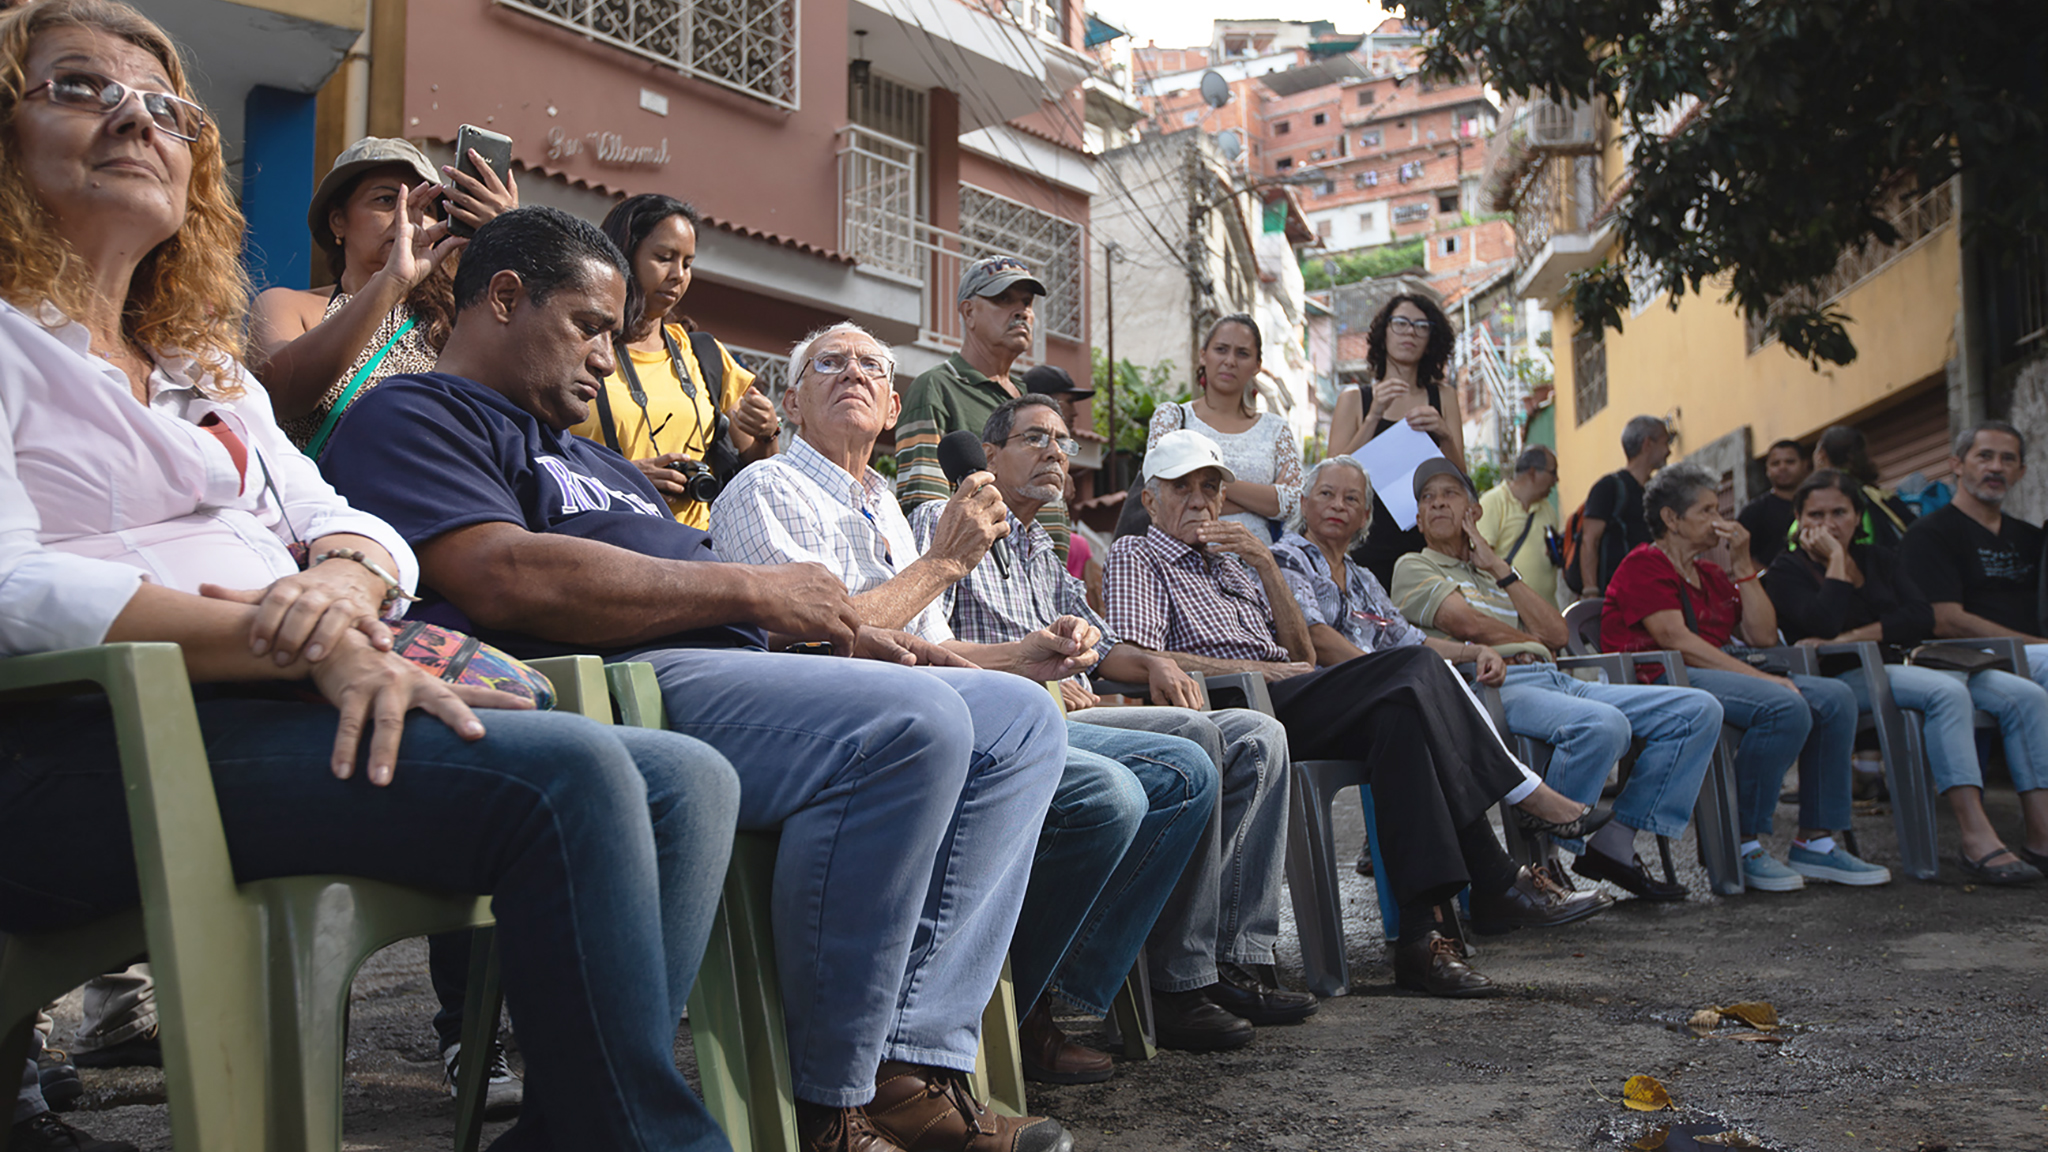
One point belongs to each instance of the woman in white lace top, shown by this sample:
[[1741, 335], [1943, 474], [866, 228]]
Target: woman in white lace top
[[1261, 448]]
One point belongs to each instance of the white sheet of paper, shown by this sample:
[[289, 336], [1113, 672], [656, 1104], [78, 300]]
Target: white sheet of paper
[[1391, 459]]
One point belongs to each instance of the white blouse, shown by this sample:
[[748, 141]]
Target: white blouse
[[98, 493], [1266, 453]]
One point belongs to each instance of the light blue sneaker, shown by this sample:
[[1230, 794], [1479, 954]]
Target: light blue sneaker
[[1838, 866], [1761, 871]]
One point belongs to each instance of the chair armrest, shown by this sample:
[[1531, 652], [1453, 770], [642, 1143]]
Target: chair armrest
[[1799, 661], [1671, 662], [637, 694], [1107, 687], [1251, 684], [579, 685], [1610, 663]]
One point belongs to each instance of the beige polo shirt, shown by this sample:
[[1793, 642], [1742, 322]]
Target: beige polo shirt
[[1424, 580]]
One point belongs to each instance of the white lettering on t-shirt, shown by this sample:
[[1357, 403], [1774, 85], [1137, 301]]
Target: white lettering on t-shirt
[[582, 493]]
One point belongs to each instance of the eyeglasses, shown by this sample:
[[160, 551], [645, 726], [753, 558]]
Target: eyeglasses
[[1404, 324], [1037, 438], [92, 92], [833, 363]]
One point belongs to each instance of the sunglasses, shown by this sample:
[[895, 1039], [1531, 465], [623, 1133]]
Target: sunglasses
[[92, 92]]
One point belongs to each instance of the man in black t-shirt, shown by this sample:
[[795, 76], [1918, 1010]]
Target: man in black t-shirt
[[1978, 566], [1613, 523], [1769, 516]]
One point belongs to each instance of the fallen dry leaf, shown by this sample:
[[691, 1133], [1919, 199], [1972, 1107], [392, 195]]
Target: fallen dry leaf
[[1707, 1018], [1645, 1094], [1755, 1013], [1651, 1141], [1756, 1037], [1728, 1139]]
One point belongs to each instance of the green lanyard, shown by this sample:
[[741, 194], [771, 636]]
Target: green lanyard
[[355, 385]]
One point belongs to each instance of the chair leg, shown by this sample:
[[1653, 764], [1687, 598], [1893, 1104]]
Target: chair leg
[[1002, 1056], [1133, 1012], [1911, 782], [14, 1047], [1664, 853], [479, 1035], [736, 1022], [1311, 883], [1716, 823]]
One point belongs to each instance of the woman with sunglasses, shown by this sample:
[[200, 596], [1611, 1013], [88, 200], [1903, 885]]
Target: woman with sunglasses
[[658, 410], [1406, 350], [393, 298], [147, 495]]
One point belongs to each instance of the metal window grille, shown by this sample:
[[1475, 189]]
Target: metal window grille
[[1589, 374], [993, 225], [749, 46]]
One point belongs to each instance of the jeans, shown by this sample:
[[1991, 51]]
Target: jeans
[[909, 800], [1130, 809], [28, 1103], [1815, 726], [602, 848], [2037, 663], [1226, 905], [1947, 703], [1589, 726]]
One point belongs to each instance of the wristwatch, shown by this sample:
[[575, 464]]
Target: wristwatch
[[1508, 580]]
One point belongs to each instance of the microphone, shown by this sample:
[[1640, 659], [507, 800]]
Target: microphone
[[960, 455]]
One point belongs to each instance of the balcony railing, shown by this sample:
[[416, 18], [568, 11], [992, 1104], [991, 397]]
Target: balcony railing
[[1558, 197], [749, 46], [1917, 221]]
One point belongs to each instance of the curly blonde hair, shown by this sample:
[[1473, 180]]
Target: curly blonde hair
[[190, 293]]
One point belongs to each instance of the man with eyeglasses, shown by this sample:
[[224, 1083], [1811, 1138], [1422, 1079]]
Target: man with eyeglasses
[[896, 788], [1131, 805], [1212, 946], [996, 323], [1518, 521]]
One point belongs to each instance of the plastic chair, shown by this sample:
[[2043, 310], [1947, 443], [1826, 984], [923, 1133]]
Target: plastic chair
[[736, 1022], [251, 981], [1715, 823]]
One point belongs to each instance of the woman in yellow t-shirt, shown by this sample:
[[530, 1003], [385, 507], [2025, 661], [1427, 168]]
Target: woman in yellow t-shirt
[[655, 410]]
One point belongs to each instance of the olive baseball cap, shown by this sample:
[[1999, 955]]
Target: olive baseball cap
[[992, 276], [359, 157]]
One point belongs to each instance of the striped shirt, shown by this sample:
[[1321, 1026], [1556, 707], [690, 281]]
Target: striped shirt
[[1168, 597], [986, 608], [799, 507]]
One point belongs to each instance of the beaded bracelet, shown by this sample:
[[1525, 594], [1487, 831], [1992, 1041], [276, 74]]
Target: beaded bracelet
[[393, 590]]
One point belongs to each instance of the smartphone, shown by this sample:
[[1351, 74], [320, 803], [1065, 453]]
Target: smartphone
[[496, 151]]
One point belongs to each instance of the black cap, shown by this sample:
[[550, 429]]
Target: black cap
[[1053, 380], [1436, 466]]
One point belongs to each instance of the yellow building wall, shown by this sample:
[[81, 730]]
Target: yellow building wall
[[1692, 366]]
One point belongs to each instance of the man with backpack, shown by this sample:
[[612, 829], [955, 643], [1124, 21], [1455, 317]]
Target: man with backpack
[[1610, 523]]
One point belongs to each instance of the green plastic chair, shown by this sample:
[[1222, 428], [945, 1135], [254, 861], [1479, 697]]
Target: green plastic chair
[[736, 1021], [252, 981]]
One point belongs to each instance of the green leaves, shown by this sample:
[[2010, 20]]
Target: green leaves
[[1816, 117]]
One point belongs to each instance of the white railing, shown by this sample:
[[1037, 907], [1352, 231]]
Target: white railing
[[878, 192], [748, 46]]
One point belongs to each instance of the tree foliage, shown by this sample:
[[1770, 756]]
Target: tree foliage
[[1812, 115], [1139, 392], [1365, 264]]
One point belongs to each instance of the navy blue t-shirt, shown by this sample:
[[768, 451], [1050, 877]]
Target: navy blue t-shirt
[[431, 453]]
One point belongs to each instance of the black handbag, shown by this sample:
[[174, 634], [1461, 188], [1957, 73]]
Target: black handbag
[[1955, 658]]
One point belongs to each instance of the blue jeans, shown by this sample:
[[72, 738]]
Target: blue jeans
[[1130, 809], [602, 848], [1226, 905], [1947, 702], [2037, 663], [1815, 726], [909, 800], [1589, 726]]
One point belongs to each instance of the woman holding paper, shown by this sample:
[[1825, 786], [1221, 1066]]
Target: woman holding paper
[[1260, 448], [1407, 347]]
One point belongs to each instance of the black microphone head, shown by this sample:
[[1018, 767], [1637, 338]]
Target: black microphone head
[[960, 454]]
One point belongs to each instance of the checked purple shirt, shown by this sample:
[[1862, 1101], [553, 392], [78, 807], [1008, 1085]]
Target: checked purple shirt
[[1168, 597]]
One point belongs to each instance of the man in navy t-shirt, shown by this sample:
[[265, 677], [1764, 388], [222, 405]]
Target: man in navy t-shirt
[[543, 542]]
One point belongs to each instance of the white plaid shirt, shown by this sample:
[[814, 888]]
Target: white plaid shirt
[[799, 506], [985, 608]]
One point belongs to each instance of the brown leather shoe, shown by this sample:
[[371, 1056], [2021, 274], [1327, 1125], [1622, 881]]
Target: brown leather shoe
[[1532, 901], [822, 1128], [1051, 1058], [1192, 1022], [931, 1110], [1433, 965]]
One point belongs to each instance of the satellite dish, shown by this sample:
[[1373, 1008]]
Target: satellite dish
[[1230, 143], [1215, 89]]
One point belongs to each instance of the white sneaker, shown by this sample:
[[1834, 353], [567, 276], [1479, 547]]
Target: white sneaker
[[1838, 866], [1761, 871], [503, 1091]]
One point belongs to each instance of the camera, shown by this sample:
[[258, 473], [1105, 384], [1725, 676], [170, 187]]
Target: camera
[[699, 484]]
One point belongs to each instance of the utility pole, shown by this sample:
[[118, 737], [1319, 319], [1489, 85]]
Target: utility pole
[[1111, 253]]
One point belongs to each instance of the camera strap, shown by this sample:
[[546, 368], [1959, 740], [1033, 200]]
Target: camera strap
[[634, 389]]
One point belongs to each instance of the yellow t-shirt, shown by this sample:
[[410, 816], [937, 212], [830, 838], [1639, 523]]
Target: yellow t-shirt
[[672, 421], [1501, 518]]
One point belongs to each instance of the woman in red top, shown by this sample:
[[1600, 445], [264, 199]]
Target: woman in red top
[[1665, 596]]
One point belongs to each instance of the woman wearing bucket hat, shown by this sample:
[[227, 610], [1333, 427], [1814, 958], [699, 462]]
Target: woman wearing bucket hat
[[393, 299]]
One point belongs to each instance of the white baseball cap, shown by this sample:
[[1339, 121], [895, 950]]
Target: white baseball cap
[[1179, 453]]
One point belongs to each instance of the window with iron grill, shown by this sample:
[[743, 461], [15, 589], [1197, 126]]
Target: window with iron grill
[[1589, 374], [995, 225], [749, 46]]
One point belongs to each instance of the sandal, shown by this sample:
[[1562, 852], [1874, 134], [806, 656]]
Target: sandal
[[1981, 869]]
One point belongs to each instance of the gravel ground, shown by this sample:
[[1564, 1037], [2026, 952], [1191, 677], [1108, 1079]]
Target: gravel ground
[[1914, 1021]]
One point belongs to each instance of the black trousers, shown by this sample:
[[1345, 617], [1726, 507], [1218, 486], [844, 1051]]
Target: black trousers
[[1433, 764]]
